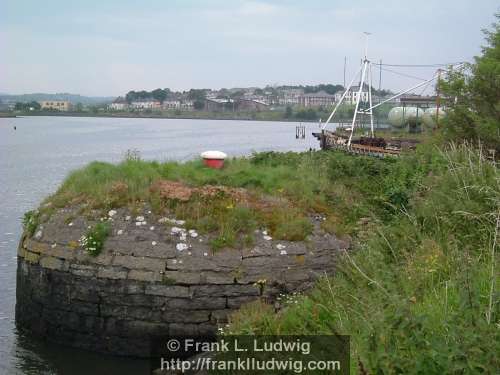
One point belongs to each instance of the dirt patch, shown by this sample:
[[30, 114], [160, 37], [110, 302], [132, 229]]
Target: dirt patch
[[179, 191], [175, 190], [172, 190]]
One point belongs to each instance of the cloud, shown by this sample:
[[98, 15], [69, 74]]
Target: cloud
[[110, 47], [254, 8]]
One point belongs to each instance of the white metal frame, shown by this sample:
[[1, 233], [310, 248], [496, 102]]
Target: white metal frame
[[366, 73]]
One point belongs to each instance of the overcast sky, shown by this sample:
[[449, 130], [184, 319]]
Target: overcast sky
[[108, 47]]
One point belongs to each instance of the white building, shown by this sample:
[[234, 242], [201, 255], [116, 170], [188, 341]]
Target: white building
[[187, 105], [290, 96], [171, 104], [318, 99], [352, 95], [119, 104], [146, 104]]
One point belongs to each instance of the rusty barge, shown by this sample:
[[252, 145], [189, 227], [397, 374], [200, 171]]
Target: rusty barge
[[370, 146]]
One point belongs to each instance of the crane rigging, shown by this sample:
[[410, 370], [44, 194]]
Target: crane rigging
[[371, 145]]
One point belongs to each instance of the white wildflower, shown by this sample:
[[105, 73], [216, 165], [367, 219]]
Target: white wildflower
[[181, 246], [176, 230]]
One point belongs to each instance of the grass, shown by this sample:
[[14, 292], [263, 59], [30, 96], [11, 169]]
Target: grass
[[30, 222], [420, 295], [283, 191]]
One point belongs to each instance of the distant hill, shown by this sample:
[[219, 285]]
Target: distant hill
[[72, 98]]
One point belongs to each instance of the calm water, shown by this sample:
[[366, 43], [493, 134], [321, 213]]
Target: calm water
[[36, 157]]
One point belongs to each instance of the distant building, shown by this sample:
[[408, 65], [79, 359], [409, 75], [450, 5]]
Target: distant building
[[146, 104], [59, 105], [417, 100], [120, 104], [187, 105], [251, 105], [352, 95], [219, 104], [290, 96], [317, 99], [171, 104]]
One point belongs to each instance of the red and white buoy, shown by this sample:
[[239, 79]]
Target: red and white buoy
[[213, 159]]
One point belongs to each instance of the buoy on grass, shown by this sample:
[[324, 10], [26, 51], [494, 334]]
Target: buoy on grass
[[213, 159]]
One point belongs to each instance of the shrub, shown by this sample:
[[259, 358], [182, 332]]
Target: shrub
[[30, 222], [473, 99], [94, 238]]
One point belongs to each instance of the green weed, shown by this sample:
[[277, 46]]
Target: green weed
[[94, 238]]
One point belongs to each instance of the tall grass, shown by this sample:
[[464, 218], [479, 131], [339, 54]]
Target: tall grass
[[422, 294], [341, 188]]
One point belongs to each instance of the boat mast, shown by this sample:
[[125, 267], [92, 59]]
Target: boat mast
[[365, 75]]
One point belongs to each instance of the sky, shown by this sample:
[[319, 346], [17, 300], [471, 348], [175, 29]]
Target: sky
[[108, 47]]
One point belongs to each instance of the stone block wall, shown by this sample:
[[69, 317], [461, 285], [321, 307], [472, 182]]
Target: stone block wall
[[141, 287]]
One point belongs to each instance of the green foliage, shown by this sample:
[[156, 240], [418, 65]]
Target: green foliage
[[231, 223], [94, 238], [30, 222], [306, 114], [197, 95], [328, 88], [19, 106], [294, 227], [342, 187], [199, 104], [158, 94], [473, 92], [421, 294]]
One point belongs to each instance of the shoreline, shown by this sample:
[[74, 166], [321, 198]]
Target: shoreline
[[152, 116]]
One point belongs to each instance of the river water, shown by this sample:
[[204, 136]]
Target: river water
[[34, 160]]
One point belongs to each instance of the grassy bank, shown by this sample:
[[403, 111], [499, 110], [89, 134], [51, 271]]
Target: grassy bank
[[420, 293], [419, 289], [278, 191]]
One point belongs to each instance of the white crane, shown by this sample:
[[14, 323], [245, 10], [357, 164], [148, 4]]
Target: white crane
[[364, 74]]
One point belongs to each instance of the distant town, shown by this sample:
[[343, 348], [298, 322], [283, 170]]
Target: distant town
[[269, 103]]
